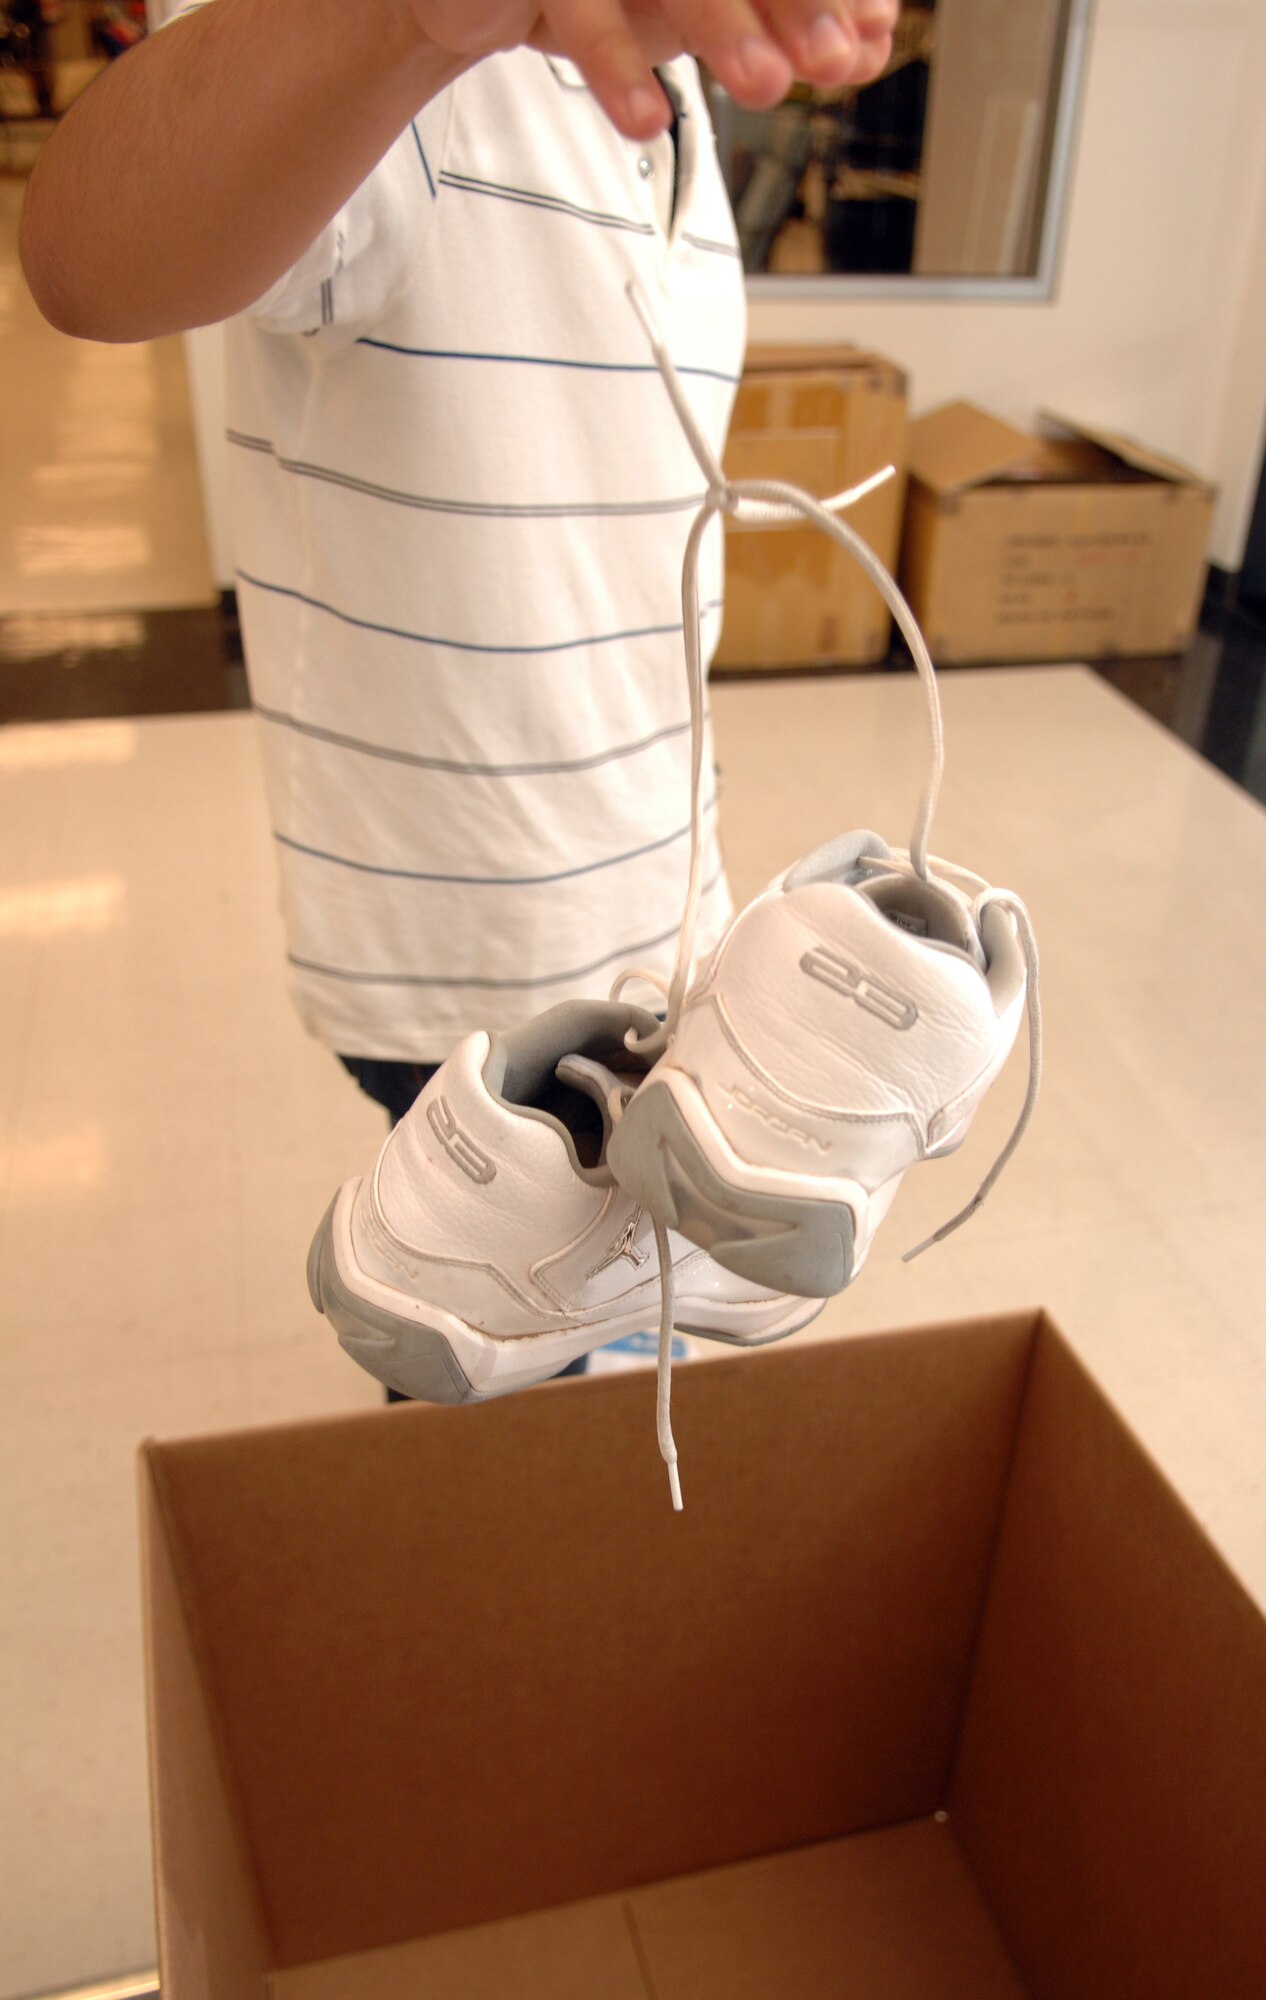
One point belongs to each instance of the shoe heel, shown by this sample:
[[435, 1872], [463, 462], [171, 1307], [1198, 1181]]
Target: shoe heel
[[315, 1254], [402, 1353], [782, 1242]]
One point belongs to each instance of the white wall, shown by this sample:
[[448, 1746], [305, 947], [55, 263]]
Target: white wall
[[1158, 326]]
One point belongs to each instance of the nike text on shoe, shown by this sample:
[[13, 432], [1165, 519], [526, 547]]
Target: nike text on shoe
[[849, 1022], [490, 1246]]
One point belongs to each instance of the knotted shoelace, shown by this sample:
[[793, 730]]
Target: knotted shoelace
[[775, 503]]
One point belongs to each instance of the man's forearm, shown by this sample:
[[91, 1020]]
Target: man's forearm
[[198, 169]]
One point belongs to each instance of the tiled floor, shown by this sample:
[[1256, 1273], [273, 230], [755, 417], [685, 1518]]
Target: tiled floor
[[100, 508], [1214, 695], [158, 1234], [168, 1137]]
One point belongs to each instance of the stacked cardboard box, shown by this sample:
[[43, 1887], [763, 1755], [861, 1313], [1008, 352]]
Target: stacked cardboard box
[[824, 419], [1078, 544], [1081, 545]]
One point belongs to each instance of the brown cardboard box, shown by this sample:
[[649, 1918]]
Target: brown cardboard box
[[823, 419], [935, 1692], [1083, 546]]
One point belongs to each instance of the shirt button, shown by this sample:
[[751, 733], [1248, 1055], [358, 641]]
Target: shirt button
[[645, 167]]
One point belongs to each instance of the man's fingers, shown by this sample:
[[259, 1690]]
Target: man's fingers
[[596, 36], [872, 62], [736, 43], [758, 48], [876, 19], [876, 23], [755, 48], [831, 43]]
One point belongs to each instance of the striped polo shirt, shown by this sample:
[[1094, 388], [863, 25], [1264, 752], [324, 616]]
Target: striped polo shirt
[[460, 502]]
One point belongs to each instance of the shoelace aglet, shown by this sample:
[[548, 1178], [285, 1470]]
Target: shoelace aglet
[[947, 1228], [664, 1373], [755, 513], [850, 496]]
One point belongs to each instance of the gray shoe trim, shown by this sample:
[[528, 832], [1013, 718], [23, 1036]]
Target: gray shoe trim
[[788, 1243], [414, 1359], [837, 860], [737, 1339], [523, 1063], [936, 916]]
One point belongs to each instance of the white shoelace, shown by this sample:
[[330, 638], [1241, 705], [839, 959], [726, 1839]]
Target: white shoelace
[[774, 503], [617, 1097], [763, 503]]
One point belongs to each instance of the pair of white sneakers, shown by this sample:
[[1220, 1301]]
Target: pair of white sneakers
[[724, 1169]]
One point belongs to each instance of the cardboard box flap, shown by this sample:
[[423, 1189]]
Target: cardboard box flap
[[573, 1953], [960, 445], [1137, 456], [891, 1913], [201, 1855], [897, 1908], [1116, 1712]]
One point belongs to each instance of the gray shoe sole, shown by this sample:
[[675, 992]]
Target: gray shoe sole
[[402, 1353], [784, 1242], [417, 1360]]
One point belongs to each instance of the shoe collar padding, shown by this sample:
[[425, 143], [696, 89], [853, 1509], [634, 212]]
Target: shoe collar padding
[[557, 1068]]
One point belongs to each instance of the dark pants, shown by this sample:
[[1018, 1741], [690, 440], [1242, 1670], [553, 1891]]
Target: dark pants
[[394, 1085]]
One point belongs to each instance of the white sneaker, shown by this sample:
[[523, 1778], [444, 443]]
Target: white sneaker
[[490, 1246], [849, 1024], [850, 1021]]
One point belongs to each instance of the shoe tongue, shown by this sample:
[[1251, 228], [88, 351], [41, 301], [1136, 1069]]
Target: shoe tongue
[[932, 911]]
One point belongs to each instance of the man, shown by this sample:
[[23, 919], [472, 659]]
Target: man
[[460, 494]]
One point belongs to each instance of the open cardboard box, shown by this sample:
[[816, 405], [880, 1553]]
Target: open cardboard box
[[1079, 545], [934, 1690], [824, 419]]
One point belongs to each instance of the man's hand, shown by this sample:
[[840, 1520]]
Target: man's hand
[[755, 48], [198, 170]]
